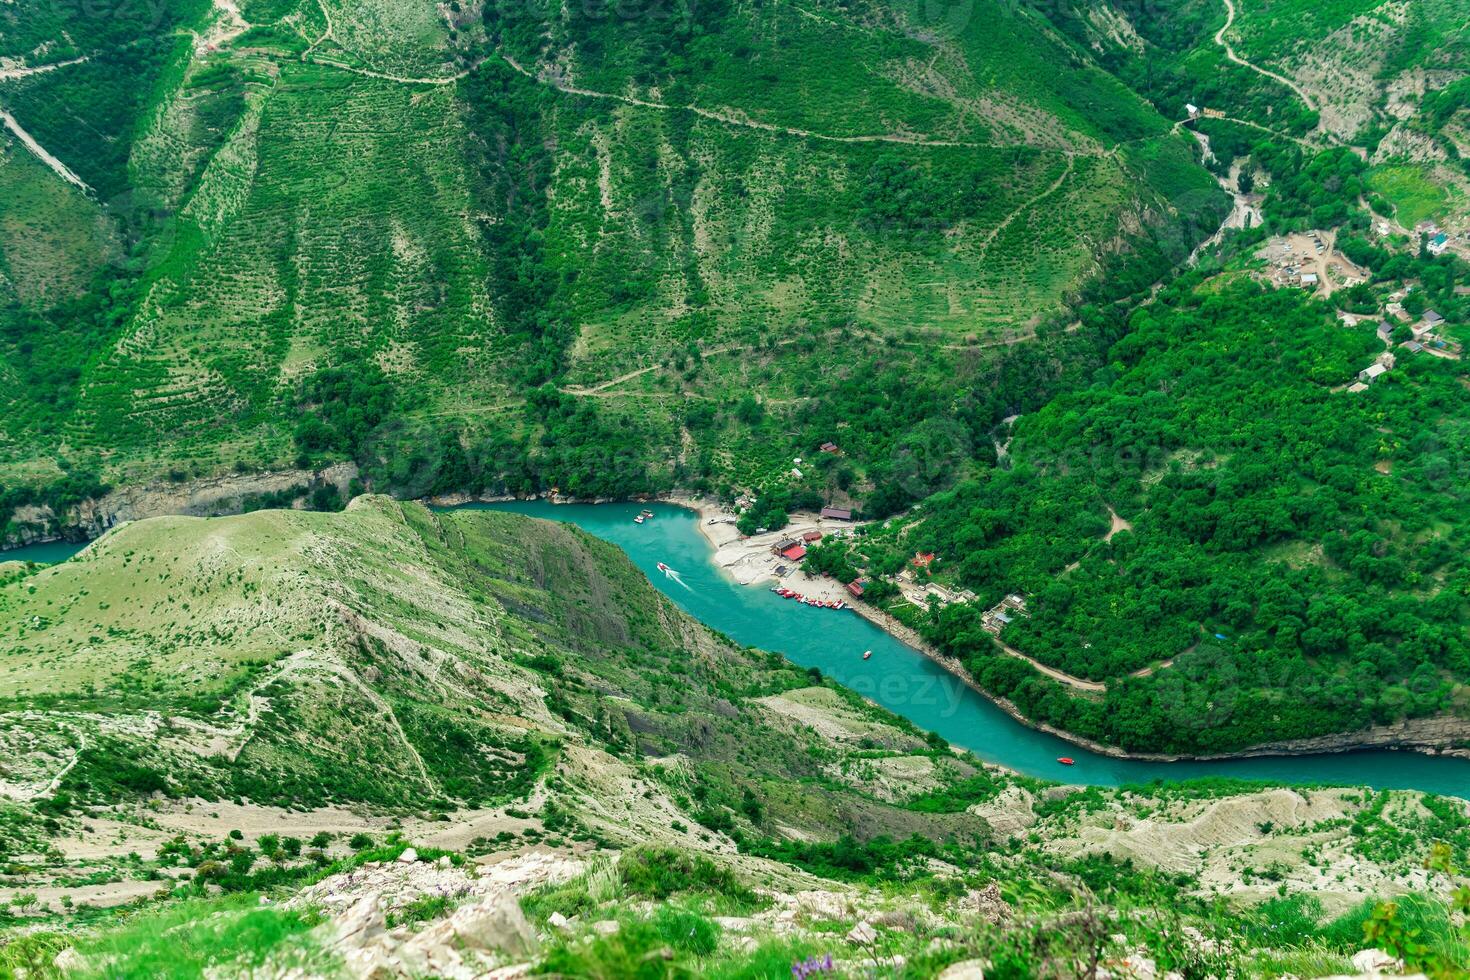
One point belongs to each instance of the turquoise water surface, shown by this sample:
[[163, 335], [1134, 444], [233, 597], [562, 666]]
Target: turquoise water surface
[[44, 554], [899, 677], [907, 683]]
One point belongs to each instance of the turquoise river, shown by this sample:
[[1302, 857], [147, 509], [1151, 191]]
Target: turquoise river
[[906, 682]]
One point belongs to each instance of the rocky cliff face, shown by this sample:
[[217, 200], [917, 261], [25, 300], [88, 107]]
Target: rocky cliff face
[[1445, 735], [209, 497]]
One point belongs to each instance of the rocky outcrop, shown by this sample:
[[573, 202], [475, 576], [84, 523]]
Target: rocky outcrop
[[1442, 735], [486, 934], [211, 497]]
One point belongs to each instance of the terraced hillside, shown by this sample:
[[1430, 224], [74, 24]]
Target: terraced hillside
[[477, 204]]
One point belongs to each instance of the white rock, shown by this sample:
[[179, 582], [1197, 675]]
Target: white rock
[[607, 927], [496, 923], [966, 970], [863, 934], [558, 921], [733, 923], [444, 861], [362, 923], [1139, 967], [514, 972], [68, 959], [409, 856], [372, 963], [1375, 962]]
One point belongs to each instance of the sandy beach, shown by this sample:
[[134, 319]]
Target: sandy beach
[[751, 561]]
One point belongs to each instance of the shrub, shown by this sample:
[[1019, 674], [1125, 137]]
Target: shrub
[[688, 932], [659, 872]]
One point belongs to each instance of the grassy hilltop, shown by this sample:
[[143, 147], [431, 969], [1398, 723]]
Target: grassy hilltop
[[200, 711]]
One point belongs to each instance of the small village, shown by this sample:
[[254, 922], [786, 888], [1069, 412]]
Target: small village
[[779, 556], [1310, 261]]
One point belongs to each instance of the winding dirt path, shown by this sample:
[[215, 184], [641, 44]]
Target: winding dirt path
[[1231, 55], [29, 141], [39, 151], [731, 117], [1097, 687], [1029, 204], [10, 74], [1116, 525]]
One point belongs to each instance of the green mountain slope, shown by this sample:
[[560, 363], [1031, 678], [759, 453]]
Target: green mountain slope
[[466, 654], [478, 205]]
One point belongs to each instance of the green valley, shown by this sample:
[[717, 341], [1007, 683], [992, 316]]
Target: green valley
[[545, 730], [1108, 355]]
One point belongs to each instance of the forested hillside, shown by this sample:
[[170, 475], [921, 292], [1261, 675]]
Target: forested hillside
[[1291, 564]]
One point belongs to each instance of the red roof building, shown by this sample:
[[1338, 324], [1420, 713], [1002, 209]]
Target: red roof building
[[837, 513], [794, 553], [811, 536], [856, 588], [923, 559], [829, 447]]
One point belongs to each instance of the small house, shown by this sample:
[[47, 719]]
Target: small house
[[1309, 279], [1432, 318], [1372, 373], [1438, 244], [856, 588], [923, 559], [794, 553], [1413, 347], [828, 447], [811, 536], [836, 514], [1385, 332]]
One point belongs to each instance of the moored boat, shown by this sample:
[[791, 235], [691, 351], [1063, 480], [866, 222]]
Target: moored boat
[[1066, 761]]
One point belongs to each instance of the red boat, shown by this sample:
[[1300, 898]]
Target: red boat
[[1066, 761], [662, 567]]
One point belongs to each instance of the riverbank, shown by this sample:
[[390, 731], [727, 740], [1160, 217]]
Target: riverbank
[[1423, 735], [750, 561], [753, 560]]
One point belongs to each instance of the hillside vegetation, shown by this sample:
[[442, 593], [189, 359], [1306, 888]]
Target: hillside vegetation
[[543, 727], [474, 204]]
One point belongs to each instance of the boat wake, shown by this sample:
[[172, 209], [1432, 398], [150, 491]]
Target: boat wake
[[669, 573]]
